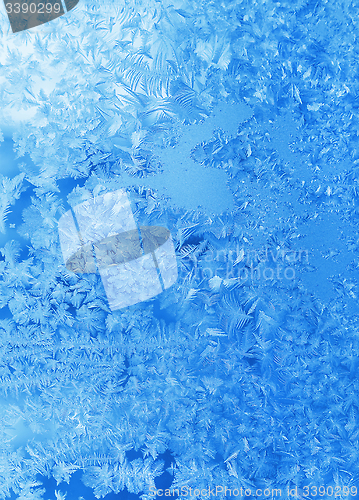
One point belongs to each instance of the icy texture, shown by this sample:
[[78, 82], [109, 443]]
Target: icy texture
[[245, 372]]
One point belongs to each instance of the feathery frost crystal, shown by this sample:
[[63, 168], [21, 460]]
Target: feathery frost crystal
[[215, 142]]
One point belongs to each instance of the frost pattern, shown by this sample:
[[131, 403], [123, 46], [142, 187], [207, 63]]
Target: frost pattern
[[249, 382]]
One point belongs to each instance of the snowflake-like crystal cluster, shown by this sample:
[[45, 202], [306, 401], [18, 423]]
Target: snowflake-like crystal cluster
[[234, 125]]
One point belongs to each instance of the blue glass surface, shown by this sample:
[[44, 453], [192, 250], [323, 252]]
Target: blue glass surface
[[230, 131]]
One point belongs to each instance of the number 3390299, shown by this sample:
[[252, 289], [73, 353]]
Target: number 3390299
[[32, 8]]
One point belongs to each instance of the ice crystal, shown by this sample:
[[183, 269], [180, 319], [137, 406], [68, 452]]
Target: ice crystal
[[233, 125]]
